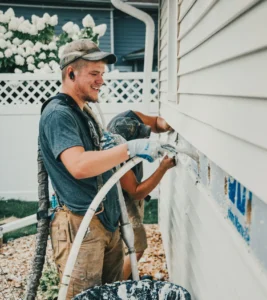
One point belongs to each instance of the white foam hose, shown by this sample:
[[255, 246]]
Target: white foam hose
[[86, 221], [125, 225], [127, 233]]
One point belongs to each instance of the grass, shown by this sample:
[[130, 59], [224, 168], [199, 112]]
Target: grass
[[21, 209], [18, 209], [151, 212]]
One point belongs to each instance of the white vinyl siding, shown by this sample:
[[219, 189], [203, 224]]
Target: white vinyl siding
[[220, 110]]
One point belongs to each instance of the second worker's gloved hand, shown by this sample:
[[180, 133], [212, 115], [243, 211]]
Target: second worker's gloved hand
[[145, 148], [110, 140]]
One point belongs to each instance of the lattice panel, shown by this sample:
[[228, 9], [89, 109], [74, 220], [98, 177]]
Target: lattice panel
[[27, 92], [14, 92], [126, 90]]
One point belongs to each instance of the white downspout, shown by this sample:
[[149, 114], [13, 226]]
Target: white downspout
[[149, 46], [112, 35]]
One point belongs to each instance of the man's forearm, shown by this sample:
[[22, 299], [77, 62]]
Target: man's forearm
[[145, 187], [93, 163]]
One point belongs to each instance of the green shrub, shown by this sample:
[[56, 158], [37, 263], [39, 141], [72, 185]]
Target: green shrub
[[49, 283]]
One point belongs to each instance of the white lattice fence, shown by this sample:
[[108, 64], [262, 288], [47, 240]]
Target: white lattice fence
[[35, 89], [21, 97]]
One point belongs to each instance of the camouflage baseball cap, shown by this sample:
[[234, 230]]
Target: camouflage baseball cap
[[129, 128], [84, 49]]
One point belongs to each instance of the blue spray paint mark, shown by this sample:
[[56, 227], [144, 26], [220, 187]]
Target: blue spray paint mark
[[231, 189], [241, 199], [244, 231]]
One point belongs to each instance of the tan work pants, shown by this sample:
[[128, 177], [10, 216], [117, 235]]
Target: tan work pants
[[100, 259]]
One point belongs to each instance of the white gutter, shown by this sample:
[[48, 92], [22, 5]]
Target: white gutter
[[112, 49], [149, 46]]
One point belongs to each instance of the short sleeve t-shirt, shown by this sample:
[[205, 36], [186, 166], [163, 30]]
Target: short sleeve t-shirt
[[63, 125]]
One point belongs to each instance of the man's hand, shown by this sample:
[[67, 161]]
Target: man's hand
[[145, 148], [167, 163], [162, 125]]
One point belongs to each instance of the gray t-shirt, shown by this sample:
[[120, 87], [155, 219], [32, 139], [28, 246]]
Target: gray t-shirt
[[63, 125]]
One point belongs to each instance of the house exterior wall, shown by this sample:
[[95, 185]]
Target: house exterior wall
[[213, 213], [129, 35]]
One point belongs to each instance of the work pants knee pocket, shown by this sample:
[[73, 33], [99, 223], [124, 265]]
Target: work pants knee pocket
[[61, 236]]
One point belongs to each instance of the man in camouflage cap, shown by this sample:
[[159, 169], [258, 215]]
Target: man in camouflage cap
[[135, 125]]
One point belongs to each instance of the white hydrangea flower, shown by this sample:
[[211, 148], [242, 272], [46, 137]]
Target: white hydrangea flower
[[100, 29], [27, 43], [35, 19], [61, 49], [8, 44], [17, 41], [17, 71], [45, 47], [53, 20], [2, 36], [1, 54], [29, 51], [37, 47], [55, 67], [8, 53], [40, 25], [13, 24], [4, 19], [42, 55], [20, 51], [33, 30], [25, 26], [40, 65], [14, 48], [52, 46], [30, 60], [10, 13], [19, 60], [88, 21], [3, 44], [8, 35], [75, 37], [2, 29], [75, 28], [31, 67], [1, 12], [51, 54], [47, 69], [68, 27], [46, 18]]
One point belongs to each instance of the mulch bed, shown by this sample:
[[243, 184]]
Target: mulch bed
[[17, 255]]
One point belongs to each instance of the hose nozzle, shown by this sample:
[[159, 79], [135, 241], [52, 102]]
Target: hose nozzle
[[185, 150]]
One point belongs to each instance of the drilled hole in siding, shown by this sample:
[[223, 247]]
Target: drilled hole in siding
[[209, 172], [225, 186], [249, 210]]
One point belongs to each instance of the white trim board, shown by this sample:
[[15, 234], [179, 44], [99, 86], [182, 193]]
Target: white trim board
[[245, 162]]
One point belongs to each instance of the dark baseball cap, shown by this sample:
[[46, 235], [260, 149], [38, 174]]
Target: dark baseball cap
[[129, 128], [84, 49]]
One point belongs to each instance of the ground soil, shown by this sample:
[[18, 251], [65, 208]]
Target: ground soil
[[16, 257]]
